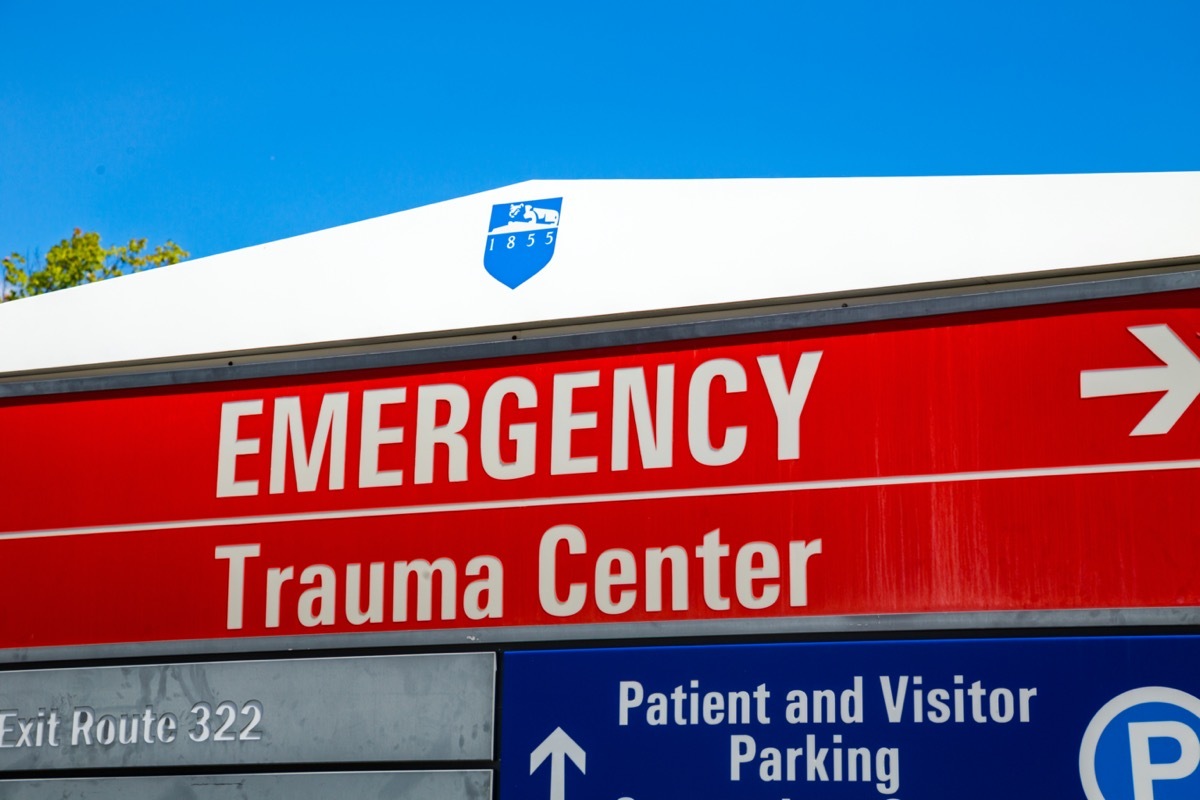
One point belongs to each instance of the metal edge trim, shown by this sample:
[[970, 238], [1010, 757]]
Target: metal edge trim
[[309, 658], [501, 638], [643, 331], [53, 778]]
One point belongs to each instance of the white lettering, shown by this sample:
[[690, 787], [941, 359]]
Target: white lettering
[[422, 571], [355, 614], [747, 572], [375, 436], [710, 554], [654, 434], [229, 447], [699, 398], [788, 400], [548, 573], [1146, 771], [523, 435], [564, 421], [656, 559], [235, 594], [317, 605], [330, 433], [276, 578], [484, 598], [449, 435], [798, 555], [615, 568], [631, 697]]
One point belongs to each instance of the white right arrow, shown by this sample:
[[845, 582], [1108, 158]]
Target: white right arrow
[[555, 746], [1179, 378]]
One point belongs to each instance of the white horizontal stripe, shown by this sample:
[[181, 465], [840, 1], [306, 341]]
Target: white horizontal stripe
[[617, 497]]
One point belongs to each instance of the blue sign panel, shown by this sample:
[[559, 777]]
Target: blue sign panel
[[1097, 718], [521, 239]]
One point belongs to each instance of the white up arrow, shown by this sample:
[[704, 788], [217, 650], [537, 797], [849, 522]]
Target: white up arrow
[[556, 746], [1179, 378]]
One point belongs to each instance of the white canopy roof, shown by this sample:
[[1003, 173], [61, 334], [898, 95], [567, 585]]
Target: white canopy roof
[[622, 247]]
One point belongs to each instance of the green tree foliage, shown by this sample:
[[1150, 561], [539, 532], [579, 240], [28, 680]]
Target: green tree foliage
[[82, 259]]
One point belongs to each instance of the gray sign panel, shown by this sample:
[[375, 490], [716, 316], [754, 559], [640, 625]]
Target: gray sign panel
[[468, 785], [322, 710]]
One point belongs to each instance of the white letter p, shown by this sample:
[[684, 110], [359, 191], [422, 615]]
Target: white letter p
[[1145, 771]]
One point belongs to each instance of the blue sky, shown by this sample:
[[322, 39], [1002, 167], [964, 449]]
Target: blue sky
[[223, 124]]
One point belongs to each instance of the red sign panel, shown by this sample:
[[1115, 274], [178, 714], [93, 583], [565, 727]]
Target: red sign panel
[[1028, 459]]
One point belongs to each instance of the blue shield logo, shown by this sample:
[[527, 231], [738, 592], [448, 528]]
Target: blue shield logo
[[521, 239]]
